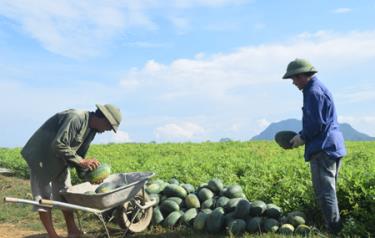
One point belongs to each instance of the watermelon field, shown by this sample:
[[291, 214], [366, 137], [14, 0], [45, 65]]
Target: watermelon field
[[263, 170]]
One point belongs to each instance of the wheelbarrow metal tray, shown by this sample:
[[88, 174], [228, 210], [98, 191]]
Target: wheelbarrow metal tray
[[129, 185]]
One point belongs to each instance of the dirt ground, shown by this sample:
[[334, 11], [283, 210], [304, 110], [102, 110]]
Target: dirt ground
[[12, 231]]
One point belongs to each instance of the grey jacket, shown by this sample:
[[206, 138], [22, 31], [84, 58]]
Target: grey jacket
[[62, 140]]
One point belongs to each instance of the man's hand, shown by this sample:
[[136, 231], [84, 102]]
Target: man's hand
[[90, 164], [296, 141]]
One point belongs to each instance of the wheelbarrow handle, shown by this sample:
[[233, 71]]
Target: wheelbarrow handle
[[10, 199], [46, 202], [24, 201]]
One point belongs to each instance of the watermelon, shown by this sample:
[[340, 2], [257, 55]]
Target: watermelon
[[303, 230], [237, 227], [296, 218], [97, 175], [161, 183], [234, 191], [172, 219], [215, 185], [283, 138], [157, 216], [153, 188], [228, 218], [105, 187], [192, 201], [206, 210], [205, 194], [176, 199], [283, 220], [188, 187], [242, 209], [202, 185], [155, 197], [222, 201], [200, 221], [168, 206], [254, 224], [286, 229], [174, 190], [273, 211], [297, 213], [163, 198], [270, 225], [215, 220], [209, 203], [232, 204], [189, 215], [257, 208], [174, 181]]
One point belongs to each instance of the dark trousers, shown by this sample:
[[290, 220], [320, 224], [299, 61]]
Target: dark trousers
[[324, 172]]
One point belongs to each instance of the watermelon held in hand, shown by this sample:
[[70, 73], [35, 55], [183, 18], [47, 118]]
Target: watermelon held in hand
[[95, 176], [283, 138]]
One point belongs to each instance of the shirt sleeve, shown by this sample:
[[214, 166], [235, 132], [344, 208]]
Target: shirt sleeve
[[61, 144], [313, 116]]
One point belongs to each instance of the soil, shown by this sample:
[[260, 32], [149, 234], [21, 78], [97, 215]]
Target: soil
[[9, 230]]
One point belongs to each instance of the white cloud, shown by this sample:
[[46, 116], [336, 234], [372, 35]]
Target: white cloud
[[342, 10], [234, 93], [81, 29], [111, 137], [130, 84], [247, 84], [145, 44], [120, 137], [235, 127], [358, 94], [183, 131], [181, 24], [263, 123], [206, 3], [70, 28], [26, 100], [220, 76]]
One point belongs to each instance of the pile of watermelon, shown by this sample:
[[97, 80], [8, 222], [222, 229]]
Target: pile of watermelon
[[216, 208]]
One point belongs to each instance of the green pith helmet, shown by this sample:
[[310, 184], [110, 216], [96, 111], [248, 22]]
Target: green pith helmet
[[299, 66], [112, 114]]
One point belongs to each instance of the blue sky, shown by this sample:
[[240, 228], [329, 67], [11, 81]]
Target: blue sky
[[188, 70]]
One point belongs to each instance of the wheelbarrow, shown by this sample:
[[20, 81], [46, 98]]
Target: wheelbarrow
[[131, 206]]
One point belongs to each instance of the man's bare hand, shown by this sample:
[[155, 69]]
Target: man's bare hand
[[90, 164], [296, 141], [98, 182]]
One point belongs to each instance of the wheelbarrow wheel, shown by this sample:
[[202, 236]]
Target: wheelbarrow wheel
[[131, 217]]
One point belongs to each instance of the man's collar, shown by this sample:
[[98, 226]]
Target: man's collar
[[310, 83]]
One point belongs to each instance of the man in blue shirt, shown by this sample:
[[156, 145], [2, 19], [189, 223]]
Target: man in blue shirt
[[324, 143]]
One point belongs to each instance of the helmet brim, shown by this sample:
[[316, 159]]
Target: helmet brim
[[108, 116], [290, 74]]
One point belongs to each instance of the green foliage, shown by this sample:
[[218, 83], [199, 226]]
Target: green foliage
[[12, 159], [263, 170]]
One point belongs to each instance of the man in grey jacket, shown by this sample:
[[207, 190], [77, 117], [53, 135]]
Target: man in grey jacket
[[63, 140]]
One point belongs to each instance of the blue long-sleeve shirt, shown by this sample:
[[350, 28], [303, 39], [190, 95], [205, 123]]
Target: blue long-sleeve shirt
[[320, 129]]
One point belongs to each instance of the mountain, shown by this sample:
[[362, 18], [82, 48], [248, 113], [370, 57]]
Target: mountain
[[295, 125]]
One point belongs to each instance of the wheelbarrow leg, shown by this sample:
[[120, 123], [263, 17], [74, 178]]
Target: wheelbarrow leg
[[101, 218]]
